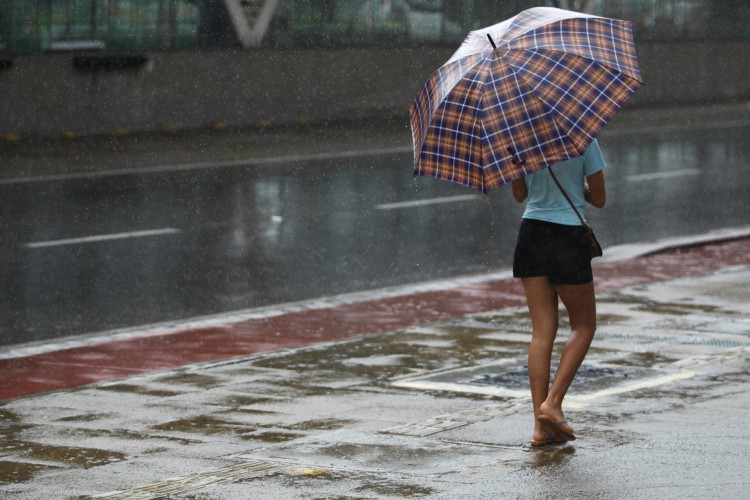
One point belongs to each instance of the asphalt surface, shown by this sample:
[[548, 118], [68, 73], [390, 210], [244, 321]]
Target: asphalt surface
[[103, 233]]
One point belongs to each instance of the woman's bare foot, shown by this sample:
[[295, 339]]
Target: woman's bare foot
[[553, 418], [552, 411]]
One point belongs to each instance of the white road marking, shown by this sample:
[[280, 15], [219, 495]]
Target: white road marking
[[428, 201], [574, 401], [646, 383], [102, 237], [663, 175], [246, 162]]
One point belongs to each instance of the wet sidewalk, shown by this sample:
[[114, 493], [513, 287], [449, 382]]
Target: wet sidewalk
[[416, 391]]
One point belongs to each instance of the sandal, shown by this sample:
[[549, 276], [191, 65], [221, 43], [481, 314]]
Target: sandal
[[560, 427]]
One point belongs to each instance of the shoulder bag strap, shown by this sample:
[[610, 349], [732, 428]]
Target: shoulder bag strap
[[554, 178]]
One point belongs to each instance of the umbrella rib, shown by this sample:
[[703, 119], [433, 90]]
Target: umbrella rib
[[495, 159], [525, 109], [588, 40], [612, 37], [616, 78]]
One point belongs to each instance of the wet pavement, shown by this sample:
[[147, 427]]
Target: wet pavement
[[412, 391]]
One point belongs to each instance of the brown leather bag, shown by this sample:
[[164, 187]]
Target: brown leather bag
[[596, 248]]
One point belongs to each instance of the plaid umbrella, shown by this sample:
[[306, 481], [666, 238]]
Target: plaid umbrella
[[521, 95]]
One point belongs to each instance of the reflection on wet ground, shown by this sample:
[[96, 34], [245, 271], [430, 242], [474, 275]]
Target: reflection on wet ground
[[234, 238], [552, 456]]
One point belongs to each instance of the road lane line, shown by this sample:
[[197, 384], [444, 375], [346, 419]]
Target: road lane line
[[102, 237], [428, 201], [662, 175], [646, 383], [183, 167]]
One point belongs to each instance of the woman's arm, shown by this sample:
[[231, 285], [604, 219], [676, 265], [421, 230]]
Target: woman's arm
[[520, 192], [594, 191]]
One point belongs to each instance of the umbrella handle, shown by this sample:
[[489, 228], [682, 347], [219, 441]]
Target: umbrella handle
[[494, 47]]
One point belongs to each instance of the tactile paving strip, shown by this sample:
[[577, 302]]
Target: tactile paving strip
[[177, 485], [453, 420], [677, 339]]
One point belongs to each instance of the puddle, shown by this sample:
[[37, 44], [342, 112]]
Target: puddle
[[131, 435], [240, 402], [12, 444], [642, 359], [84, 458], [40, 452], [86, 417], [8, 416], [557, 455], [386, 360], [668, 308], [359, 485], [204, 425], [301, 389], [192, 379], [18, 472], [137, 389], [517, 320], [391, 489], [326, 424], [380, 454], [381, 357], [252, 411], [271, 437], [611, 319]]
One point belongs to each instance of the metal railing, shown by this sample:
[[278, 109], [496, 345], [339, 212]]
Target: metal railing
[[148, 25], [320, 23], [115, 25]]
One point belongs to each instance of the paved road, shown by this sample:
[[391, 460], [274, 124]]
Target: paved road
[[88, 254]]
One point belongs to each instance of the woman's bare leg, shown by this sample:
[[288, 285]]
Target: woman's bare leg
[[580, 301], [541, 299]]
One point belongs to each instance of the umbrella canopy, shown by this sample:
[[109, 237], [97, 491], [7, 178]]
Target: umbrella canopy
[[521, 95]]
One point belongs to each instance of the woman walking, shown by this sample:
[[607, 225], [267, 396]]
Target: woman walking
[[553, 260]]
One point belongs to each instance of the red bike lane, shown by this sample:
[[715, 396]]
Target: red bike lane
[[67, 368]]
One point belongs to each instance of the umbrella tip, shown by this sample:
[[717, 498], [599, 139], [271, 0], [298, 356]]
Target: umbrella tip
[[494, 47]]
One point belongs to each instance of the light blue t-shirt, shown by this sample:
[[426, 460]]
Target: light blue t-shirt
[[546, 202]]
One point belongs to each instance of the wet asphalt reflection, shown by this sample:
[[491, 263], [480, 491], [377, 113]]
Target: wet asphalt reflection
[[94, 254]]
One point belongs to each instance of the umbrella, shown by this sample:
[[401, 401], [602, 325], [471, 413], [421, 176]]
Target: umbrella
[[521, 95]]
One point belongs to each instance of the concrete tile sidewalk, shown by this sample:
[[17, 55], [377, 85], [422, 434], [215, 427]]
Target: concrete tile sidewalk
[[386, 407]]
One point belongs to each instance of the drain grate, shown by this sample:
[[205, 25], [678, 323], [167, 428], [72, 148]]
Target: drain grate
[[520, 378]]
